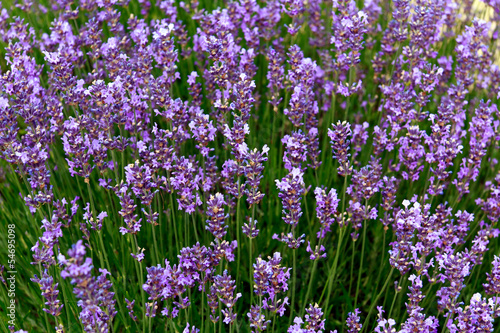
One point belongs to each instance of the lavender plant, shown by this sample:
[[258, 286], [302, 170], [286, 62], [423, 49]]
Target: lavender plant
[[241, 165]]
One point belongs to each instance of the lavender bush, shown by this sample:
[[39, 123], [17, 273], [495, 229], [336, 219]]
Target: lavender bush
[[299, 166]]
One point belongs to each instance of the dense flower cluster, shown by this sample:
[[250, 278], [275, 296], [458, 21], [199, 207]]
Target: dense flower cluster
[[187, 130], [96, 300]]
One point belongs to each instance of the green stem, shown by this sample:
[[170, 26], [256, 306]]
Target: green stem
[[174, 223], [294, 284], [186, 230], [332, 273], [309, 287], [383, 257], [44, 313], [374, 303], [238, 211], [352, 266], [141, 280], [361, 264], [195, 231], [157, 257]]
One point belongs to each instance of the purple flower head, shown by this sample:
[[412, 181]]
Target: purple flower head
[[128, 206], [95, 298], [291, 189], [50, 292], [416, 319], [225, 290], [202, 129], [348, 29], [492, 286], [140, 181], [353, 322], [412, 152], [326, 208], [139, 256], [43, 252], [318, 252], [213, 304], [190, 329], [275, 75], [478, 316], [482, 132], [295, 150], [258, 322], [290, 240], [185, 180], [271, 279], [389, 187], [252, 169], [407, 221], [169, 282], [384, 325], [89, 219], [340, 137], [250, 228], [215, 212], [313, 321], [130, 308], [151, 309]]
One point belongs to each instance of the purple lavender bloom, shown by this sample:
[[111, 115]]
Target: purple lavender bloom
[[168, 283], [353, 322], [384, 325], [412, 152], [252, 169], [89, 219], [290, 239], [140, 181], [130, 308], [271, 279], [50, 292], [389, 188], [275, 75], [96, 300], [478, 316], [313, 318], [365, 183], [128, 206], [202, 129], [416, 319], [481, 135], [295, 150], [326, 209], [359, 138], [492, 286], [215, 212], [190, 329], [291, 189], [139, 256], [407, 221], [77, 146], [250, 228], [340, 138], [258, 322], [225, 290], [43, 252], [318, 252], [213, 304], [347, 33], [313, 321], [185, 179]]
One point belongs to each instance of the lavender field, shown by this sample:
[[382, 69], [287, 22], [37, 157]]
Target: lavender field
[[298, 166]]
